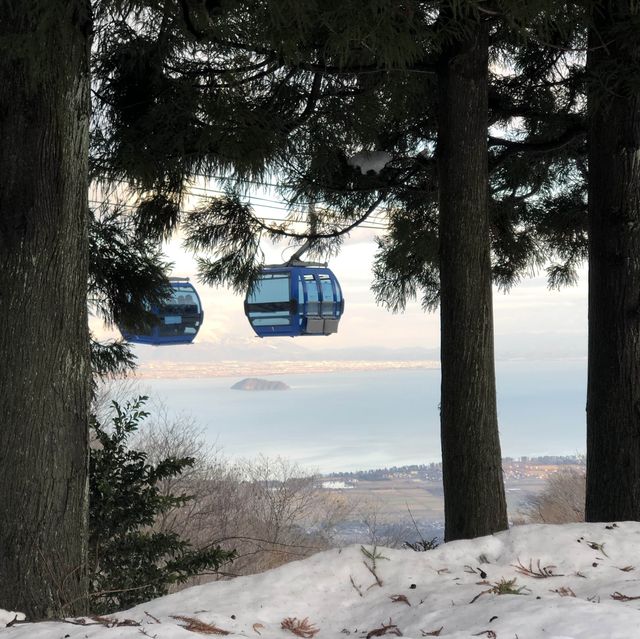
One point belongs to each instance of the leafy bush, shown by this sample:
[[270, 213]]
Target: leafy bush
[[130, 562]]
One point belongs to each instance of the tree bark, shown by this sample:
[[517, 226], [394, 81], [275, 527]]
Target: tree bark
[[44, 343], [613, 386], [471, 460]]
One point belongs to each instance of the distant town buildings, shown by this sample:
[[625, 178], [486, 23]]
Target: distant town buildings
[[514, 468]]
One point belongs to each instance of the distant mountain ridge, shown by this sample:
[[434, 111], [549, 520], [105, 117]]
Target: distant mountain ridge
[[256, 384], [268, 350]]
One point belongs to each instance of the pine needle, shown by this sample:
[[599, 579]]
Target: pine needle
[[195, 625]]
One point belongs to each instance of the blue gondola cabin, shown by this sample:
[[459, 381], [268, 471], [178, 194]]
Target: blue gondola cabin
[[177, 321], [293, 301]]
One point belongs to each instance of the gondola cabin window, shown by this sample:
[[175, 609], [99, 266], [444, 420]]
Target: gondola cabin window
[[269, 302]]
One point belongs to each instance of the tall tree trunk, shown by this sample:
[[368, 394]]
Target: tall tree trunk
[[471, 461], [613, 387], [44, 356]]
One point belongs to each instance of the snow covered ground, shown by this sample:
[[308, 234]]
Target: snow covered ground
[[573, 581]]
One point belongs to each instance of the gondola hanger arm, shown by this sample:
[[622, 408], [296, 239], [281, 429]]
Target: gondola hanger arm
[[296, 258]]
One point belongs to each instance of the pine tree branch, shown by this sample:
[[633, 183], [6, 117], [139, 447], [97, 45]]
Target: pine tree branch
[[513, 146], [102, 593], [512, 110], [245, 80], [258, 540], [198, 73], [418, 67], [362, 69], [312, 99]]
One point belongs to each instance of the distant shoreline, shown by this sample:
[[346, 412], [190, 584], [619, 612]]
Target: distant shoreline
[[190, 370]]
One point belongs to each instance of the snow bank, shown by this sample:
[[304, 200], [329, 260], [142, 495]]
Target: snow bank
[[575, 581]]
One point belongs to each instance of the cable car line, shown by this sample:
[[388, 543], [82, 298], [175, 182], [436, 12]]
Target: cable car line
[[206, 189], [374, 223]]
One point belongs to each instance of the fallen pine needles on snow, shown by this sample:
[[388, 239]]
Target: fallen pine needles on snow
[[399, 598], [300, 628], [386, 629], [195, 625], [618, 596], [542, 572], [110, 622]]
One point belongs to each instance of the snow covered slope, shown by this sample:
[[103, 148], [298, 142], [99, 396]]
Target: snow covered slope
[[578, 581]]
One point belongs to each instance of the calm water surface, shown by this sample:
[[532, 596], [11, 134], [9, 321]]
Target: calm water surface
[[359, 420]]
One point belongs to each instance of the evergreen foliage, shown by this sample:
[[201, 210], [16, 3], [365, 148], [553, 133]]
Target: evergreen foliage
[[127, 274], [253, 90], [127, 270], [129, 562], [336, 81], [298, 107], [110, 358], [212, 90]]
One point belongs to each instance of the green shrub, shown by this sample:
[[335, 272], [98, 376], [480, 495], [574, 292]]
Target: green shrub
[[129, 562]]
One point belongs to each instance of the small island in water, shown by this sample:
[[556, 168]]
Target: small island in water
[[255, 384]]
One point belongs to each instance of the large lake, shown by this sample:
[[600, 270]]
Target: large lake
[[362, 420]]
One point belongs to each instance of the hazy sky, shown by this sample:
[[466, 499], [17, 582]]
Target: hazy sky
[[530, 320]]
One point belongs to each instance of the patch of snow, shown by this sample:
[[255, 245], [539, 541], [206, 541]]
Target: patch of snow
[[577, 581], [370, 161], [7, 616], [336, 485]]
